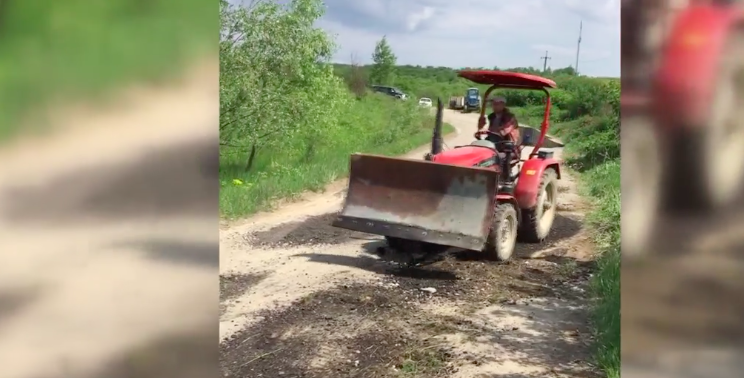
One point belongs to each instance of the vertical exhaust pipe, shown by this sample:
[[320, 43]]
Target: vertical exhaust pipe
[[436, 139]]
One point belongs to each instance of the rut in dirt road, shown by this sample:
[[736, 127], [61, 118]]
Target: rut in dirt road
[[317, 301]]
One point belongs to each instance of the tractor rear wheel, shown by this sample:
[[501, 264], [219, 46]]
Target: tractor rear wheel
[[537, 221], [502, 238]]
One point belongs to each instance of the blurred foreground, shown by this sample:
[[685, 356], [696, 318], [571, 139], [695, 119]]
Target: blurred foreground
[[108, 239], [108, 190], [682, 304], [683, 267]]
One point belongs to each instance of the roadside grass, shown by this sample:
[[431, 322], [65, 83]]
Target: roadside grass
[[310, 162], [567, 269], [530, 115], [423, 362], [602, 183], [57, 52], [592, 150]]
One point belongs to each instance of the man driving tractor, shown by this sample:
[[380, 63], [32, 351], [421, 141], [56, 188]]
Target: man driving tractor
[[468, 197], [501, 121]]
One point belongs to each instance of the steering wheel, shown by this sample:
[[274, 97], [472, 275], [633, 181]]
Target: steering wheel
[[502, 139], [484, 133]]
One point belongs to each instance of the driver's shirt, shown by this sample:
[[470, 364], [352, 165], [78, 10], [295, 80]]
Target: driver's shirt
[[497, 123], [494, 122]]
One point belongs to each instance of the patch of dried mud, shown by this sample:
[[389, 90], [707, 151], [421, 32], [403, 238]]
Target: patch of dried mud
[[311, 231], [233, 286]]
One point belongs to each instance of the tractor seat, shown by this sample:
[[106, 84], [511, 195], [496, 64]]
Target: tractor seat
[[491, 145]]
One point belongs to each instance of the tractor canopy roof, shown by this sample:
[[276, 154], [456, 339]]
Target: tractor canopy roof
[[507, 79]]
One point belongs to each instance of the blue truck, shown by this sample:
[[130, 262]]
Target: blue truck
[[472, 100]]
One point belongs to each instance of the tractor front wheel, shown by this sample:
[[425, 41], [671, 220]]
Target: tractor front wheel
[[502, 239], [537, 221]]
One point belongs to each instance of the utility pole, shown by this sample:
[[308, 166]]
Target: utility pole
[[545, 61], [578, 48]]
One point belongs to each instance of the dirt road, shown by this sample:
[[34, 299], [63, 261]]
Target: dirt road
[[302, 299], [107, 239]]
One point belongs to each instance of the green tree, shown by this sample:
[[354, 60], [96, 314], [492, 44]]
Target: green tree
[[271, 83], [565, 71], [383, 69]]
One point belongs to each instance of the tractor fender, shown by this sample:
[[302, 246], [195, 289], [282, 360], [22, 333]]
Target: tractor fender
[[685, 81], [500, 198], [529, 180]]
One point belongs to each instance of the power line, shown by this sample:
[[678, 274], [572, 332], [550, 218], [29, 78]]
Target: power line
[[545, 61], [578, 48]]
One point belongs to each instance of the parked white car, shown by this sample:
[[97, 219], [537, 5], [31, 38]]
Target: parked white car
[[425, 102]]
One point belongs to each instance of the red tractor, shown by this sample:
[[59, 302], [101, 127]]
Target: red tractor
[[682, 111], [481, 196]]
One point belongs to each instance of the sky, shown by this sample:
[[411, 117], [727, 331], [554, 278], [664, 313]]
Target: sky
[[479, 33]]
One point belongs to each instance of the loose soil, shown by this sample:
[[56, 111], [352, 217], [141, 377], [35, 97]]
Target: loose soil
[[234, 285], [395, 329], [314, 230]]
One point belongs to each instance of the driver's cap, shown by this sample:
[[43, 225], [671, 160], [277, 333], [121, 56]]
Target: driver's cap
[[499, 99]]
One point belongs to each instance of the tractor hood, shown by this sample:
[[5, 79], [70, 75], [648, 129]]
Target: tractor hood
[[466, 156]]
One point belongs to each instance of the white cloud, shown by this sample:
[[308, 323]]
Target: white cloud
[[415, 19], [477, 33]]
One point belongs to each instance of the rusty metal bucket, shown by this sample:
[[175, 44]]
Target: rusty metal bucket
[[419, 200]]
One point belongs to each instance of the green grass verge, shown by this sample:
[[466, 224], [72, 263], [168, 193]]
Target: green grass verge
[[602, 183], [592, 150], [64, 51], [287, 171]]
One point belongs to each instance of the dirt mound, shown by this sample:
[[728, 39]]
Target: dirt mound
[[312, 231]]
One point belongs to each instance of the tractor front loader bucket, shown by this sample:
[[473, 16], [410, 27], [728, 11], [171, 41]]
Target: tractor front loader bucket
[[419, 200]]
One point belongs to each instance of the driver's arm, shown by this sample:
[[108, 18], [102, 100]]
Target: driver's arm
[[484, 122], [509, 127]]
